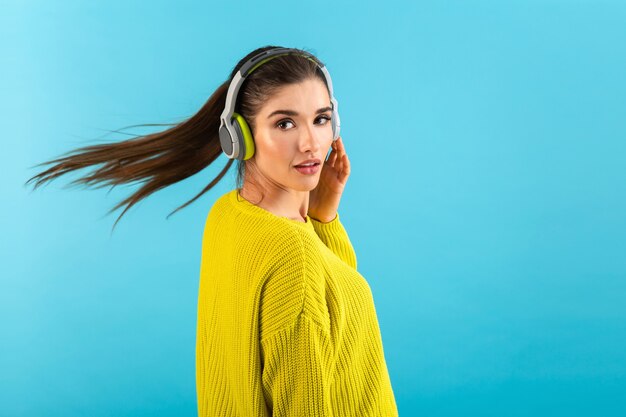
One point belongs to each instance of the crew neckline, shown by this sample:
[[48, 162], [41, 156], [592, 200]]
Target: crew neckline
[[242, 203]]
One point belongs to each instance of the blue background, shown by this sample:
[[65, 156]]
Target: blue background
[[486, 202]]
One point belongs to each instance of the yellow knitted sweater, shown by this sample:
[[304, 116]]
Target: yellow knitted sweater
[[286, 324]]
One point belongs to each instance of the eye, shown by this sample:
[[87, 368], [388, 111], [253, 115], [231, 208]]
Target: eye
[[325, 118], [281, 123]]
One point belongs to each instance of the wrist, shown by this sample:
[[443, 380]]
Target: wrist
[[323, 219]]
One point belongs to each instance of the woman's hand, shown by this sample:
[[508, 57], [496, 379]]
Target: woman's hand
[[324, 199]]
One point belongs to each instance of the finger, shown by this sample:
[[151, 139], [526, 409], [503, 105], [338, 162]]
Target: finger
[[345, 170], [341, 148]]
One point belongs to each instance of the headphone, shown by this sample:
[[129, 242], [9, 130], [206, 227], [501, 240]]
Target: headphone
[[235, 135]]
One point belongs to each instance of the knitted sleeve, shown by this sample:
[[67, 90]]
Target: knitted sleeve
[[334, 235], [297, 370], [295, 337]]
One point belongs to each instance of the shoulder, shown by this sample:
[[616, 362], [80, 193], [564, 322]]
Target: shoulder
[[248, 224], [260, 245]]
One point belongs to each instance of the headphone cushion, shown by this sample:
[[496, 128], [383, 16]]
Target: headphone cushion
[[244, 136], [334, 119]]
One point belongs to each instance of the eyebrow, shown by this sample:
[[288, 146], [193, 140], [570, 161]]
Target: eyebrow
[[295, 113]]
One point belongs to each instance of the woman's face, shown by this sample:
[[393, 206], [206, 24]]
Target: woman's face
[[294, 125]]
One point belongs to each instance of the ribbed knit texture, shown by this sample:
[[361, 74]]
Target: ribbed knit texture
[[286, 324]]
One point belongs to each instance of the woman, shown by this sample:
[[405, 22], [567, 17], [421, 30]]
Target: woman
[[286, 324]]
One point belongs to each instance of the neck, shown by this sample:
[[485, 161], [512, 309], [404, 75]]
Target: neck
[[292, 204]]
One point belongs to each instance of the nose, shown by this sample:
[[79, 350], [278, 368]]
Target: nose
[[309, 140]]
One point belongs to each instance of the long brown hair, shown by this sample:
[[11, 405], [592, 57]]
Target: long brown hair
[[163, 158]]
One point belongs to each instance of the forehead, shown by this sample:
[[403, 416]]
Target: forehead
[[307, 95]]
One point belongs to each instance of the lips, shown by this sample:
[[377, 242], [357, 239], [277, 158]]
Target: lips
[[308, 170], [309, 161]]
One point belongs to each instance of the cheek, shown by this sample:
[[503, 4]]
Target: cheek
[[273, 154], [329, 144]]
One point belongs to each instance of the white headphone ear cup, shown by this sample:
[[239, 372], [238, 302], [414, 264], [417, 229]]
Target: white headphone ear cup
[[335, 125], [239, 139], [226, 141]]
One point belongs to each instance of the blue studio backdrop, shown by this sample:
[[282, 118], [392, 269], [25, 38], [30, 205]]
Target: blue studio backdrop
[[486, 201]]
